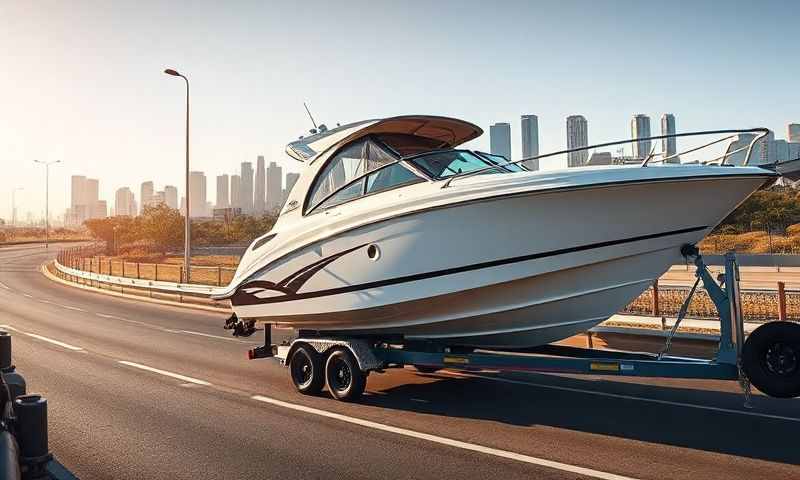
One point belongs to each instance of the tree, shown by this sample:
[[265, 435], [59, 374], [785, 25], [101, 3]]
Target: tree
[[162, 226]]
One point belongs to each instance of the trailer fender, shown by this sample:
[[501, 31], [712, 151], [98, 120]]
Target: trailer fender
[[361, 350]]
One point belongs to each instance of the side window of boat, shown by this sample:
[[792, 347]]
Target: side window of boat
[[391, 177], [350, 163]]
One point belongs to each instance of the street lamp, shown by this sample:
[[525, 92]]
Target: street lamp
[[187, 255], [14, 205], [47, 200]]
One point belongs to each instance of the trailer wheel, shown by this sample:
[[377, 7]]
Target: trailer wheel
[[306, 370], [771, 359], [344, 377]]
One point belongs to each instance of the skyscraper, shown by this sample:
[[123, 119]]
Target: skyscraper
[[222, 191], [171, 196], [500, 140], [793, 132], [197, 194], [146, 195], [246, 188], [640, 128], [669, 145], [274, 182], [260, 203], [236, 189], [124, 203], [79, 207], [530, 140], [577, 136]]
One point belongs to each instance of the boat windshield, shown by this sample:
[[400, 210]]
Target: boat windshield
[[447, 163]]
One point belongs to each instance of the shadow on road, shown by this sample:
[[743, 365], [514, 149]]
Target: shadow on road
[[667, 424]]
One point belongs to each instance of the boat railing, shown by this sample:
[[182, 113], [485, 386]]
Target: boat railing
[[731, 135]]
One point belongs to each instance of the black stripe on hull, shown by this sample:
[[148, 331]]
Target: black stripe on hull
[[252, 300]]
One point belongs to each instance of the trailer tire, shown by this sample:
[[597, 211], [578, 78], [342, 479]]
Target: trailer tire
[[306, 370], [771, 359], [344, 377]]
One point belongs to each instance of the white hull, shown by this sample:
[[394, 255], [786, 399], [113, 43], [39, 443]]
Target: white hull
[[525, 267]]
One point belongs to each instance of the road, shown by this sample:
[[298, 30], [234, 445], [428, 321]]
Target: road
[[141, 390]]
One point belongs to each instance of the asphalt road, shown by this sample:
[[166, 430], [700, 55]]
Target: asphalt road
[[140, 390]]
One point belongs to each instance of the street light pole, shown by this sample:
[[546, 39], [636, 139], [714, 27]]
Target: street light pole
[[187, 254], [47, 200]]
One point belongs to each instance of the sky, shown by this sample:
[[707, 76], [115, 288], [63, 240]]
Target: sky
[[82, 81]]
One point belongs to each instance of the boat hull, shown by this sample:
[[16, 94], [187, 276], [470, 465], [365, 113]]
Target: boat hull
[[506, 271]]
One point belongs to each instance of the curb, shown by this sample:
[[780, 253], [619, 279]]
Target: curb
[[46, 272]]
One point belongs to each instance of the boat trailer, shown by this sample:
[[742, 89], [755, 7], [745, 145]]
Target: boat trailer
[[769, 358]]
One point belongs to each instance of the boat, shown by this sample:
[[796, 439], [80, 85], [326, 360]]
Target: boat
[[394, 232]]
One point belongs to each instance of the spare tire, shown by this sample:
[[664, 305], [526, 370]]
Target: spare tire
[[771, 359]]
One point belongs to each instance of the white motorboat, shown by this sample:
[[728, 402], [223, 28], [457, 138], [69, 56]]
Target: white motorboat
[[391, 231]]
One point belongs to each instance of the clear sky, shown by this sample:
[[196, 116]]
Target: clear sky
[[82, 81]]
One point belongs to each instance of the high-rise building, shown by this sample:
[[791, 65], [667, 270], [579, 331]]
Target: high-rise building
[[500, 140], [171, 196], [640, 128], [145, 195], [794, 150], [530, 140], [577, 136], [260, 203], [99, 209], [793, 132], [197, 194], [246, 188], [222, 191], [124, 203], [274, 182], [236, 192], [79, 207], [767, 151], [669, 145]]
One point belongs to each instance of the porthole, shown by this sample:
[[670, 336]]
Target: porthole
[[373, 252]]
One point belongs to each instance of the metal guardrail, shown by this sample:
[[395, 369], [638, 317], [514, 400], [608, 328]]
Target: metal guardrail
[[158, 285]]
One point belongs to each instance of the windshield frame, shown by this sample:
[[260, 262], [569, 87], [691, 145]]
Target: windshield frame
[[491, 166]]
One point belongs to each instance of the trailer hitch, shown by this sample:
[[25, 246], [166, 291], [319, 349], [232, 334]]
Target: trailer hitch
[[241, 328]]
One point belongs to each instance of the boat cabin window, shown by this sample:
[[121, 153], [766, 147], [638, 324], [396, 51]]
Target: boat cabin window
[[347, 175], [447, 163]]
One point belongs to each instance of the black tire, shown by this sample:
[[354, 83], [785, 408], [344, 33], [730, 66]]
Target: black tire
[[771, 359], [306, 370], [344, 377], [426, 369]]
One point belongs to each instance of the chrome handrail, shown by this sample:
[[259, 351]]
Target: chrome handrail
[[763, 133]]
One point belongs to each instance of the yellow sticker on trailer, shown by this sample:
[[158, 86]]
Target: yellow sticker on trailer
[[458, 360], [604, 367]]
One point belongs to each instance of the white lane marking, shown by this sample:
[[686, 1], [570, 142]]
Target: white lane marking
[[44, 339], [72, 308], [164, 372], [218, 337], [4, 286], [445, 441], [624, 397], [27, 295]]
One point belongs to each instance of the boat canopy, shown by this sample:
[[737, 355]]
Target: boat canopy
[[443, 131]]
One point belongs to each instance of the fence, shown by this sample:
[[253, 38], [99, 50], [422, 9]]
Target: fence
[[757, 305], [88, 259]]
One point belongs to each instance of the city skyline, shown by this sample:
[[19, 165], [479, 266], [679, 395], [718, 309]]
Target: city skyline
[[249, 84]]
